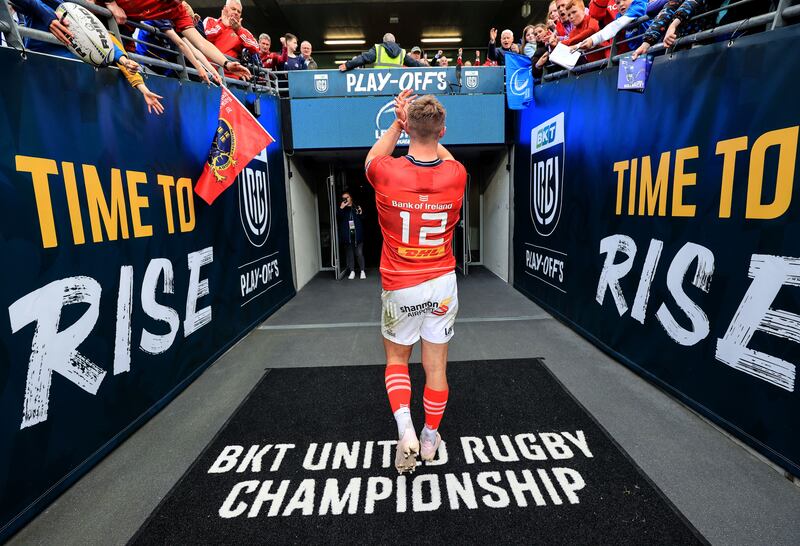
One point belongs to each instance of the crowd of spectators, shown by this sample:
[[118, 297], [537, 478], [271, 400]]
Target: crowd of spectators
[[214, 42], [591, 27]]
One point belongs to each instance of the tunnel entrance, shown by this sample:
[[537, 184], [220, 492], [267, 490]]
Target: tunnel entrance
[[326, 176]]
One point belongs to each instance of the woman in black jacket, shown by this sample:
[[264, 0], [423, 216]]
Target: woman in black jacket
[[351, 233]]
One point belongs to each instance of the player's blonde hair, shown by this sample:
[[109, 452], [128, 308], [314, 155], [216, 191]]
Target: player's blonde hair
[[425, 118]]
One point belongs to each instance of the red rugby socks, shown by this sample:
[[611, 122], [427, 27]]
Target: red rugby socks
[[434, 403], [398, 388]]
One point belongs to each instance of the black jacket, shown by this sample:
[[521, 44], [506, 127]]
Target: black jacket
[[343, 217], [368, 57]]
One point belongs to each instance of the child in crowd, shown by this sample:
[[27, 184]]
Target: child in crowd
[[628, 11], [529, 42], [583, 27], [293, 61]]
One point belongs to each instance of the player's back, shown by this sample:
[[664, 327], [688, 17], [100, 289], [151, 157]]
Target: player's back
[[419, 206]]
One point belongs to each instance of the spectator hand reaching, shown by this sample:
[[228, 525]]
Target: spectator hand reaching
[[119, 14], [59, 29], [584, 45], [492, 35], [129, 64], [672, 33], [542, 60], [515, 48], [236, 68], [154, 106], [641, 50]]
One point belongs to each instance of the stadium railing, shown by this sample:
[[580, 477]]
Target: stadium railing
[[264, 82], [779, 15]]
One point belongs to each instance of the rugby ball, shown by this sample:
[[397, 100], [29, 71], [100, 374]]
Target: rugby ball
[[90, 40]]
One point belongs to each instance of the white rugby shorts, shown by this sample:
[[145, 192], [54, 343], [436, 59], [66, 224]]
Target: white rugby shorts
[[427, 310]]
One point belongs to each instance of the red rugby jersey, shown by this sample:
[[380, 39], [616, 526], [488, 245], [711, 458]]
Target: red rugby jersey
[[419, 205]]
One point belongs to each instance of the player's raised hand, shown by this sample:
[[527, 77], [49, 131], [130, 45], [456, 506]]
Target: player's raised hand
[[401, 103]]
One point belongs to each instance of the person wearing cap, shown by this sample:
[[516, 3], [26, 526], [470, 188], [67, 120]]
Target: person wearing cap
[[385, 55], [416, 54]]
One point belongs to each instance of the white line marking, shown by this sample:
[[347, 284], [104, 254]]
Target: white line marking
[[367, 324], [258, 260], [261, 293], [544, 247], [544, 281]]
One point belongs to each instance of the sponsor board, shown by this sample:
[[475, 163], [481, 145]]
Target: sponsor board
[[682, 259]]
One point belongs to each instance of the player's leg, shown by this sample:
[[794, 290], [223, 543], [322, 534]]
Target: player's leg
[[400, 333], [436, 331], [434, 398]]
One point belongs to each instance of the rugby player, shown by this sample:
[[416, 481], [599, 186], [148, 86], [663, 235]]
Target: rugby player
[[418, 197]]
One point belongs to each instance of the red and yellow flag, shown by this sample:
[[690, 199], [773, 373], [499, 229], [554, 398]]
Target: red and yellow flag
[[239, 138]]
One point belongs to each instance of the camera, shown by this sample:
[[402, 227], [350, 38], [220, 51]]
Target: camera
[[253, 64]]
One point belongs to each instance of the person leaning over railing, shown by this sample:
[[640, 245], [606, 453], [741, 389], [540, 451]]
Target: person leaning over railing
[[626, 13], [583, 27], [40, 16], [205, 70], [675, 14], [384, 55], [175, 11]]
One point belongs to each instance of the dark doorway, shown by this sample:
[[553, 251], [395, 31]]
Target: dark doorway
[[355, 181]]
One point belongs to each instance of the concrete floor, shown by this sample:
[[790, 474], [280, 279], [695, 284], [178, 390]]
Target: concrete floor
[[727, 492]]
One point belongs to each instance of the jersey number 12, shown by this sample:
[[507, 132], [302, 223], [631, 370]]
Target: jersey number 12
[[425, 231]]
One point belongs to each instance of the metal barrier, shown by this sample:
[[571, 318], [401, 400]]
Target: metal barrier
[[276, 82], [774, 19], [266, 83]]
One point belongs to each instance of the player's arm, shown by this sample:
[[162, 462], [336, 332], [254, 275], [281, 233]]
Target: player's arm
[[387, 143], [443, 154]]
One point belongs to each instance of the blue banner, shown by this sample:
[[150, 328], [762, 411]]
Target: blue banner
[[118, 286], [360, 122], [519, 81], [468, 80], [663, 227]]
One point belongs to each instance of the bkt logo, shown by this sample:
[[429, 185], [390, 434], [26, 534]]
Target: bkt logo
[[545, 135], [547, 174], [254, 200]]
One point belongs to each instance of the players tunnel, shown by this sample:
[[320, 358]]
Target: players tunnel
[[332, 120], [619, 267]]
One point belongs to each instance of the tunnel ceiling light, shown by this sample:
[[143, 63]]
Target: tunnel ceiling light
[[348, 41], [442, 40]]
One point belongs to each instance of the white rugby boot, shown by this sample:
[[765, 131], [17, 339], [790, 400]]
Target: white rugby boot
[[352, 275], [363, 275], [405, 459], [430, 445]]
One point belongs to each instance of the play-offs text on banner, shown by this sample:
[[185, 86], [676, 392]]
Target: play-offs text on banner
[[374, 82], [495, 479]]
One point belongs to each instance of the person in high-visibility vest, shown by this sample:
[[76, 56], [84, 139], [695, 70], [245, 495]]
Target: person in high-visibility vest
[[385, 55]]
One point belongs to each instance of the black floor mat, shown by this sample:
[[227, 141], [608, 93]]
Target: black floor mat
[[524, 463]]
